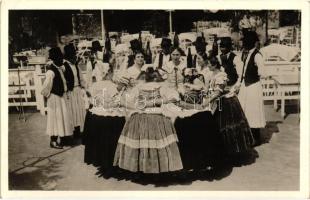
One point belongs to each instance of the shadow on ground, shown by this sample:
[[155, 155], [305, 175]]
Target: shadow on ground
[[37, 177], [270, 129], [37, 173], [219, 172], [186, 178]]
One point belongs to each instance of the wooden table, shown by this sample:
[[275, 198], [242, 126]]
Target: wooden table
[[287, 87]]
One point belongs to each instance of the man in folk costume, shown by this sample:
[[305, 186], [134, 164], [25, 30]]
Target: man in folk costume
[[155, 48], [74, 84], [229, 60], [251, 94], [59, 123], [163, 57], [200, 46], [96, 70]]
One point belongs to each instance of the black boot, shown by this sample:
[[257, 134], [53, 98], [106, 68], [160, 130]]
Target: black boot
[[67, 141], [77, 133], [77, 136], [54, 144], [83, 139]]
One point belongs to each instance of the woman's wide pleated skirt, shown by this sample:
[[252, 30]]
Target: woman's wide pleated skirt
[[148, 144]]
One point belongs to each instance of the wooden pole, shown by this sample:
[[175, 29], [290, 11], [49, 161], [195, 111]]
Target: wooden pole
[[170, 21], [266, 26], [102, 26]]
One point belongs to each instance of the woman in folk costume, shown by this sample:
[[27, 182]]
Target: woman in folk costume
[[113, 92], [127, 78], [199, 141], [193, 88], [251, 94], [129, 61], [173, 72], [235, 132], [203, 68], [163, 57], [59, 119], [194, 85], [74, 85], [148, 142], [96, 70], [201, 48], [135, 46], [121, 57], [123, 60]]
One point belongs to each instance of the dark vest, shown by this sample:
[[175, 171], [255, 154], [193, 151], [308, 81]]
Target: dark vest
[[251, 74], [230, 69], [58, 85], [69, 76]]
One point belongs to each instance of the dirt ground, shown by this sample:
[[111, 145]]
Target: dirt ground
[[33, 165]]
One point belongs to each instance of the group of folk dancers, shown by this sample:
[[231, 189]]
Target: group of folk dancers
[[150, 142]]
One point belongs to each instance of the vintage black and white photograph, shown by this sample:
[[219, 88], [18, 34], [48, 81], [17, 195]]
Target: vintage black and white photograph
[[154, 99]]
